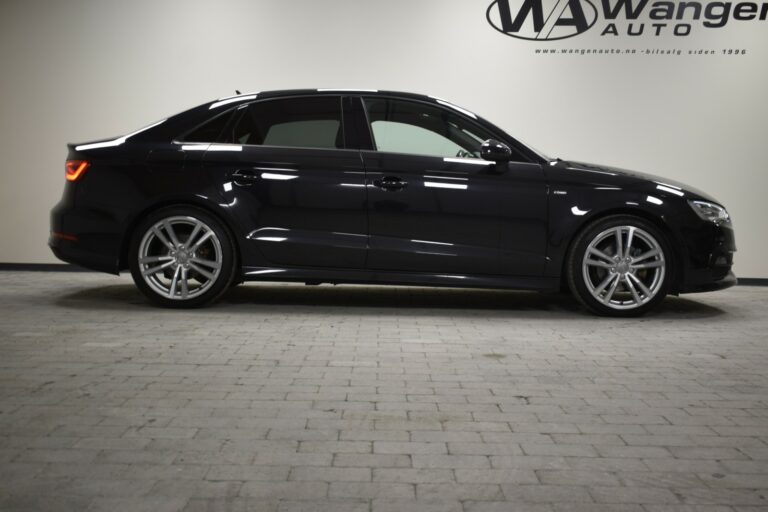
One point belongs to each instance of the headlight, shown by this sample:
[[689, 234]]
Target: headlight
[[710, 211]]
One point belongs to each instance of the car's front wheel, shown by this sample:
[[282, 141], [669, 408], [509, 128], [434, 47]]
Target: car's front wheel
[[182, 257], [620, 266]]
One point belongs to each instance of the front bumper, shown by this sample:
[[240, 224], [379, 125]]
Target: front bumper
[[711, 285], [710, 259]]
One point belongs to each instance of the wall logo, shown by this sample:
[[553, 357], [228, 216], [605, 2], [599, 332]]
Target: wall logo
[[551, 20], [542, 20]]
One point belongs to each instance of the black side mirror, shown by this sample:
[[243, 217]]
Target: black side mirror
[[495, 151]]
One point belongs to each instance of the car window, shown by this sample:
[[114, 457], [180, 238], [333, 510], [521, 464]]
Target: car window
[[208, 131], [293, 122], [407, 138], [402, 126]]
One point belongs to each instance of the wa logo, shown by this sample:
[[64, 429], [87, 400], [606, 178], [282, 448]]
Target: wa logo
[[542, 20]]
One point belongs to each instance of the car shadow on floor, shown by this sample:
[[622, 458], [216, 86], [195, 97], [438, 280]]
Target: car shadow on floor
[[381, 300]]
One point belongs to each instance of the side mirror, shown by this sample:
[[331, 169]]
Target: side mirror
[[495, 151]]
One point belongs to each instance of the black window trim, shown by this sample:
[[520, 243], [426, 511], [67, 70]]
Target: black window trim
[[181, 138]]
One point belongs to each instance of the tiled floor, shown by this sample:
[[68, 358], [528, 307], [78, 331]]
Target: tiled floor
[[339, 399]]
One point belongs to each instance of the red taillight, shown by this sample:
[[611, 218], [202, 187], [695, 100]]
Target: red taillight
[[64, 236], [76, 169]]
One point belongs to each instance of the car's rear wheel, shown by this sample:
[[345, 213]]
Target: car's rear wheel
[[182, 257], [620, 266]]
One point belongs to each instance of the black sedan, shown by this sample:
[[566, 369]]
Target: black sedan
[[364, 186]]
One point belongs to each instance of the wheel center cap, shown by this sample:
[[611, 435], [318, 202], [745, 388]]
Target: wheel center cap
[[182, 256], [622, 268]]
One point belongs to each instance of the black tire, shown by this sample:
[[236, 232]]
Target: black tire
[[627, 297], [192, 276]]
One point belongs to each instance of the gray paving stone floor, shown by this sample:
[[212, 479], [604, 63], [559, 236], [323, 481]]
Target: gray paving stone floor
[[286, 398]]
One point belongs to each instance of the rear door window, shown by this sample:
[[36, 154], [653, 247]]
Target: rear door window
[[310, 122]]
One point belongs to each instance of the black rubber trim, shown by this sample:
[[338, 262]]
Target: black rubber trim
[[43, 267], [753, 281]]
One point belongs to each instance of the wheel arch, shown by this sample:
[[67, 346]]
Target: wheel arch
[[199, 204], [657, 221]]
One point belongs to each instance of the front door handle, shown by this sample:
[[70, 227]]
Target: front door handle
[[244, 177], [390, 183]]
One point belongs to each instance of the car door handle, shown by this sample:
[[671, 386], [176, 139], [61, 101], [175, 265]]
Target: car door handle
[[244, 177], [390, 183]]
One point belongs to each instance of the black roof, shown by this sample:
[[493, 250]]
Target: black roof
[[248, 96], [175, 124]]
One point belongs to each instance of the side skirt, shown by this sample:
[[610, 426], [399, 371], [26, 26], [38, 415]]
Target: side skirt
[[340, 276]]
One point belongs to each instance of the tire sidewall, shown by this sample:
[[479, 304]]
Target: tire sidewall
[[576, 278], [225, 277]]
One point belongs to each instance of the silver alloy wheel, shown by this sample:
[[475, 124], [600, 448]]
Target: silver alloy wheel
[[624, 267], [180, 257]]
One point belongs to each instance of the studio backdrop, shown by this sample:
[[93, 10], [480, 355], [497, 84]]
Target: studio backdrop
[[676, 89]]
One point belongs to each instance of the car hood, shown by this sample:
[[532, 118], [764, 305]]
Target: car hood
[[618, 175]]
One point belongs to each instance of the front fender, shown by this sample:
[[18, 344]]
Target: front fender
[[574, 206]]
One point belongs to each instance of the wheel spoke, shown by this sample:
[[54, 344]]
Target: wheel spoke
[[160, 236], [193, 234], [174, 282], [612, 290], [202, 271], [646, 255], [154, 259], [184, 283], [207, 263], [619, 243], [630, 237], [600, 254], [169, 229], [604, 284], [206, 236], [652, 264], [595, 263], [155, 270], [632, 289], [641, 285]]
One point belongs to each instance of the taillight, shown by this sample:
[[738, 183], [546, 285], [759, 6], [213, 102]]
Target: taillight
[[76, 169]]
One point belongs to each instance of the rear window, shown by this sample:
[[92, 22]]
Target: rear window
[[293, 122]]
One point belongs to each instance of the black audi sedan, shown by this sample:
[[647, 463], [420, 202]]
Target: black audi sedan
[[366, 186]]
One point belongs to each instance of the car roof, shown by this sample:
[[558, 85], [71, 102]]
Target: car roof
[[173, 125], [328, 90], [249, 96]]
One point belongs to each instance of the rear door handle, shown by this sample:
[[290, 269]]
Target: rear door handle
[[390, 183], [244, 177]]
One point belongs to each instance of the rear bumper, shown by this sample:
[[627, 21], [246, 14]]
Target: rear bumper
[[68, 252], [89, 240]]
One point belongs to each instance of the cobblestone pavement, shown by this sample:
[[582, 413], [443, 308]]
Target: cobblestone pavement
[[343, 399]]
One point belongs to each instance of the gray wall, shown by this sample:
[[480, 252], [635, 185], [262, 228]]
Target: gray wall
[[78, 70]]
